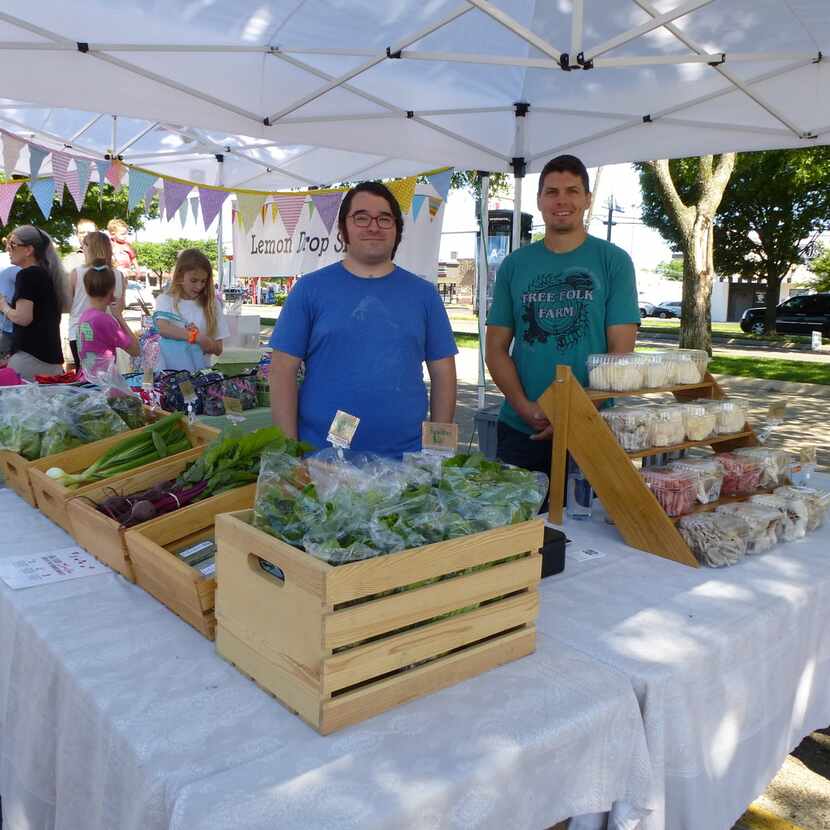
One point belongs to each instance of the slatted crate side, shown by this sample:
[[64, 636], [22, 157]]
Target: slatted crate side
[[15, 471]]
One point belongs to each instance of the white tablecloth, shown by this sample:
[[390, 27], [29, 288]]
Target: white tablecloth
[[731, 666], [115, 715]]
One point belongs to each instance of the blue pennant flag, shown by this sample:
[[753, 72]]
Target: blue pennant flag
[[417, 203], [36, 156], [441, 182], [44, 192], [140, 183]]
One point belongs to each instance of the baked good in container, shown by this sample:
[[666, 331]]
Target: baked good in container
[[766, 524], [815, 502], [776, 464], [675, 490], [794, 510], [631, 426], [716, 539], [742, 475], [669, 425], [615, 372], [709, 476]]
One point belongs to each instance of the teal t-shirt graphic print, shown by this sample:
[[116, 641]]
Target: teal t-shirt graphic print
[[559, 306]]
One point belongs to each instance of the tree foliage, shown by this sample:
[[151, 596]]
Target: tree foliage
[[160, 257], [671, 270], [820, 266], [61, 223], [470, 181]]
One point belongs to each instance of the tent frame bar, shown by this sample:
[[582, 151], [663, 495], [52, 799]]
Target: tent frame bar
[[137, 137], [514, 26]]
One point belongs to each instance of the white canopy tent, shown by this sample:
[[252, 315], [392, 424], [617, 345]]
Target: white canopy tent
[[293, 94]]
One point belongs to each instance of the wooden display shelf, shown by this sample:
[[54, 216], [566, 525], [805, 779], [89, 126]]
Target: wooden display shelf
[[51, 496], [338, 645], [707, 442], [707, 508], [579, 429], [152, 547], [16, 468]]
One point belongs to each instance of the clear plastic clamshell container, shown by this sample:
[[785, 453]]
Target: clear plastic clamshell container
[[615, 372], [795, 514], [669, 425], [776, 464], [684, 367], [766, 523], [731, 417], [699, 357], [658, 371], [815, 502], [709, 474], [742, 475], [701, 421], [631, 425], [675, 490], [716, 539]]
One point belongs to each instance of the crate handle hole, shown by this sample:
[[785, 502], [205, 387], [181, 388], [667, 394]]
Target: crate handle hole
[[267, 570]]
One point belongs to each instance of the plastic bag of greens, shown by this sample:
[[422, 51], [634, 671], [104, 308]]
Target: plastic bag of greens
[[94, 419]]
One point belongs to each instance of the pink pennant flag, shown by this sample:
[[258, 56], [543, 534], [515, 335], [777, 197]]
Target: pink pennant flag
[[60, 164], [174, 195], [115, 175], [290, 208], [212, 201], [7, 193], [77, 181]]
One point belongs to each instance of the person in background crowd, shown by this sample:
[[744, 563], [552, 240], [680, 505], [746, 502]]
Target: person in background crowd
[[76, 258], [188, 317], [96, 246], [7, 278], [123, 254], [364, 328], [100, 333], [37, 303], [556, 301]]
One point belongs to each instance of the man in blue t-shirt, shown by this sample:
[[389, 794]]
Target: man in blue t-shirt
[[556, 301], [364, 328]]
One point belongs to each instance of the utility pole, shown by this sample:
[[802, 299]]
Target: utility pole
[[612, 208]]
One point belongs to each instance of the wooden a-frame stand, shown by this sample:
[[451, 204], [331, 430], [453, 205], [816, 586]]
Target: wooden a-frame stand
[[580, 430]]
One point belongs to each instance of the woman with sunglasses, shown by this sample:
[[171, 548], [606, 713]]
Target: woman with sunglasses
[[37, 303]]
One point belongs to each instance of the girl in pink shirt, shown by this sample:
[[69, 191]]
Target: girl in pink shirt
[[99, 332]]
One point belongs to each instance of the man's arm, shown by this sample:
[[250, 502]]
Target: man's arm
[[504, 374], [621, 339], [442, 390], [283, 379]]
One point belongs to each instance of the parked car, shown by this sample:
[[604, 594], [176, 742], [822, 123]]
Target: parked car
[[646, 309], [667, 310], [798, 315], [137, 296]]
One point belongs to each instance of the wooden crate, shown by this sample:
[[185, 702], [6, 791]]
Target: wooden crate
[[51, 497], [331, 649], [102, 536], [15, 468], [152, 548]]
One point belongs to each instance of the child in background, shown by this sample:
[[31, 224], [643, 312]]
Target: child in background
[[101, 333], [188, 317]]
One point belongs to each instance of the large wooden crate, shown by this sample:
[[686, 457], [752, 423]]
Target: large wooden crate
[[332, 647], [51, 497], [102, 536], [152, 549], [15, 468]]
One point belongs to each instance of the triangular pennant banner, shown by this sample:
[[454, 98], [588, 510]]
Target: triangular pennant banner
[[274, 211], [434, 206], [60, 165], [115, 175], [248, 205], [11, 153], [140, 183], [77, 181], [162, 205], [7, 193], [263, 212], [417, 203], [44, 192], [290, 209], [103, 169], [212, 201], [310, 209], [175, 194], [403, 190], [327, 205], [36, 156], [441, 182], [194, 207], [183, 212]]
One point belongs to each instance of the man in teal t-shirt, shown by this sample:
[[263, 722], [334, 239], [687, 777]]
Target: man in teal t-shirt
[[556, 301]]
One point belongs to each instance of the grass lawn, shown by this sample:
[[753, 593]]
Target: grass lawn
[[794, 371], [725, 330]]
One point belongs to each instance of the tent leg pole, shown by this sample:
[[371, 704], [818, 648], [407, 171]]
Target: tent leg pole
[[483, 278]]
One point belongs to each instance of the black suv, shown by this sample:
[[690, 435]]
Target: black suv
[[798, 315]]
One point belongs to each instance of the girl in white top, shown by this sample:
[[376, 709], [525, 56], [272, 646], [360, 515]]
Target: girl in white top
[[188, 316], [95, 245]]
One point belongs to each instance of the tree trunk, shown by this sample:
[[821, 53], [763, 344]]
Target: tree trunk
[[771, 302], [696, 320]]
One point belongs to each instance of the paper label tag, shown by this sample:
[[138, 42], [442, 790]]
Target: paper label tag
[[232, 404], [60, 565], [188, 392], [587, 554], [147, 379], [439, 438], [342, 429]]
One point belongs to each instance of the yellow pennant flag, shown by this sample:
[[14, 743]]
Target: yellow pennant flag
[[403, 190], [248, 208], [274, 211]]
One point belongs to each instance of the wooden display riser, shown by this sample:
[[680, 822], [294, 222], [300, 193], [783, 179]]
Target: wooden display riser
[[579, 429]]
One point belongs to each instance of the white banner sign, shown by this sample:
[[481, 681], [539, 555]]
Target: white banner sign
[[293, 235]]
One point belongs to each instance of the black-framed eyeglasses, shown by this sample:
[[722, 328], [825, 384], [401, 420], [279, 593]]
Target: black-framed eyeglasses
[[11, 244], [362, 219]]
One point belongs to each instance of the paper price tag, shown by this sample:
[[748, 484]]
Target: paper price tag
[[439, 438], [147, 378], [587, 554], [188, 392], [342, 429]]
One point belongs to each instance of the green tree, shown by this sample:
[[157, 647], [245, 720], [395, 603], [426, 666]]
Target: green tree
[[776, 205], [671, 270], [469, 180], [61, 223], [820, 266], [160, 257], [680, 199]]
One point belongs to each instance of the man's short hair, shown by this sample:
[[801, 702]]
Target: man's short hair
[[565, 164], [376, 189], [83, 222]]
